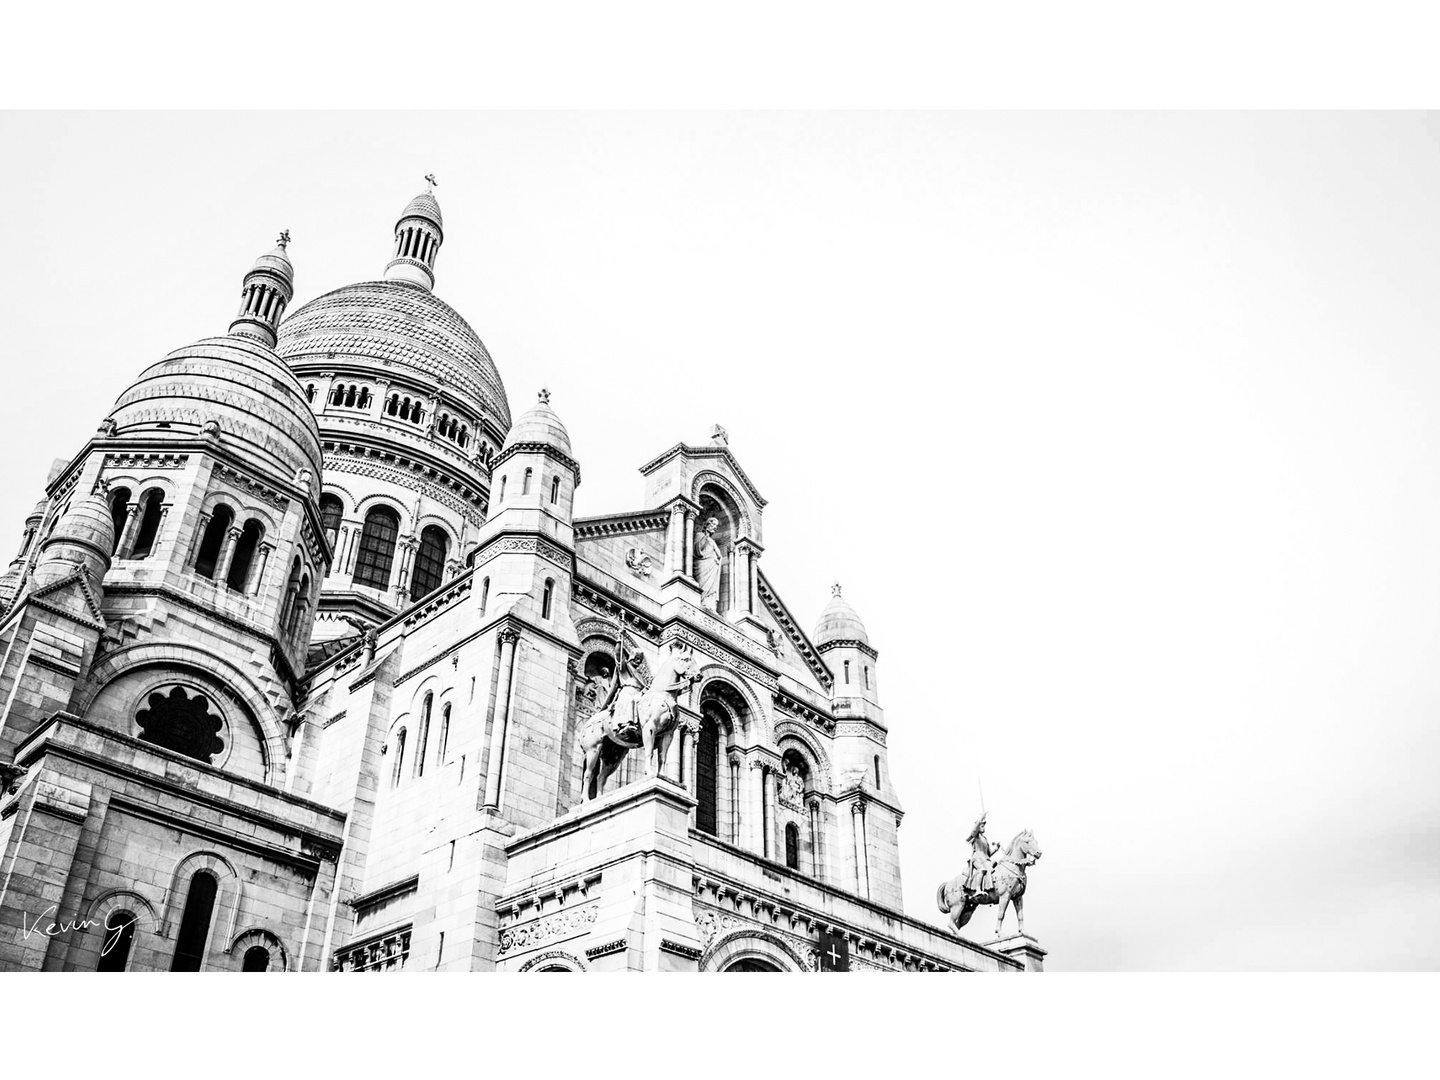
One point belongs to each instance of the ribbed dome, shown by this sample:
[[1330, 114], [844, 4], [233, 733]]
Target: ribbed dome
[[88, 522], [540, 425], [404, 325], [424, 205], [240, 384], [838, 622]]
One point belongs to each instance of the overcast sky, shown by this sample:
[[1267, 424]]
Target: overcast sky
[[1122, 433]]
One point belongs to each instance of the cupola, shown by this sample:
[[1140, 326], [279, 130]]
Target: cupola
[[267, 289], [418, 236], [838, 622], [84, 537]]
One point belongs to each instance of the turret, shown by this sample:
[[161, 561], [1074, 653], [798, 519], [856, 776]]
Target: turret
[[418, 236], [267, 289]]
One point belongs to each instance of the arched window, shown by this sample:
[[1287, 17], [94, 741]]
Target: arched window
[[211, 542], [792, 846], [377, 548], [484, 596], [337, 395], [393, 405], [331, 512], [707, 776], [310, 392], [464, 436], [423, 736], [867, 676], [501, 499], [350, 398], [405, 408], [847, 672], [877, 770], [525, 485], [119, 512], [195, 923], [399, 758], [429, 562], [153, 507], [555, 490], [301, 608], [444, 741], [292, 592], [257, 958], [363, 401], [547, 597], [244, 555], [418, 415], [117, 937]]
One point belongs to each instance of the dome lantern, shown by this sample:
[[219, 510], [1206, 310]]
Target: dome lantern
[[267, 289], [418, 236]]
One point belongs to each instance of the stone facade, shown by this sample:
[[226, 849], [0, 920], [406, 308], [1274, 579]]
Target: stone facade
[[299, 650]]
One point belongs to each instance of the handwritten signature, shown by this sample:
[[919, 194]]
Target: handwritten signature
[[56, 929]]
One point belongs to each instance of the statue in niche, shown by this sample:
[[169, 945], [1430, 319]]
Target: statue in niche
[[793, 790], [707, 564]]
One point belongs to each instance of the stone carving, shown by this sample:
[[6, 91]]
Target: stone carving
[[10, 777], [792, 788], [639, 563], [633, 720], [708, 558], [1001, 882], [549, 928]]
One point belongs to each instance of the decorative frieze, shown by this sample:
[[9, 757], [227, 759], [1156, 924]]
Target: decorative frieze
[[527, 545], [251, 486], [386, 953], [561, 924], [146, 462]]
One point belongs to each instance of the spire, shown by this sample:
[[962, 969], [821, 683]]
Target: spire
[[418, 236], [267, 289]]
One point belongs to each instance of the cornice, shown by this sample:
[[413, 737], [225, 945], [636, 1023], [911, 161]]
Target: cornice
[[629, 521], [798, 637], [535, 448], [849, 643]]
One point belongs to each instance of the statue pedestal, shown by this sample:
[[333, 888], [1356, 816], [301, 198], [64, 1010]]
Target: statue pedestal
[[610, 882], [1021, 947]]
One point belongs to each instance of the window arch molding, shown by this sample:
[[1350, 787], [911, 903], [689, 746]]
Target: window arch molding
[[554, 959], [389, 502], [228, 896], [179, 662], [747, 943], [754, 721], [791, 736], [258, 935], [147, 922], [710, 478]]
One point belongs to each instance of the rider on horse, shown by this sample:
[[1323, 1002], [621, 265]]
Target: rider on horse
[[980, 878], [624, 693]]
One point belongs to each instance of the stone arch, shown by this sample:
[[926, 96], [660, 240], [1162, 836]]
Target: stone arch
[[554, 960], [258, 935], [787, 734], [707, 477], [381, 498], [105, 906], [342, 492], [750, 943], [718, 673], [228, 896], [177, 657], [443, 524]]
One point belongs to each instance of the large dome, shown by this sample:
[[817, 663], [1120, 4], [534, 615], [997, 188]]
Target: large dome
[[405, 325]]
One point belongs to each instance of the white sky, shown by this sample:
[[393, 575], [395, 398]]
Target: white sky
[[1122, 433]]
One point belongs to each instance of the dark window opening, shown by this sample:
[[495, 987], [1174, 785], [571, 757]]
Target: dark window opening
[[117, 936], [399, 758], [429, 562], [213, 540], [149, 525], [877, 770], [424, 736], [257, 958], [119, 513], [555, 490], [377, 548], [195, 923], [545, 600], [244, 555], [444, 735], [792, 846], [707, 777]]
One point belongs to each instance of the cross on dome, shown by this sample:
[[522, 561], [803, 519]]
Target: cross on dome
[[431, 181], [719, 436], [835, 589], [544, 396], [284, 238]]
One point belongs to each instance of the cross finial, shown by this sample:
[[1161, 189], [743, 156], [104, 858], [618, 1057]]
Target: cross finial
[[719, 436], [431, 181], [835, 590], [544, 396], [284, 238]]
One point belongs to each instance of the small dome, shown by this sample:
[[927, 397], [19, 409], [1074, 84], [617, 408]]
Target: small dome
[[39, 511], [277, 260], [540, 425], [242, 386], [838, 622], [84, 537], [423, 206]]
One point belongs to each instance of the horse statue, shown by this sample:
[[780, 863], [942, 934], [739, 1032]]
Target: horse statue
[[1007, 886], [635, 719]]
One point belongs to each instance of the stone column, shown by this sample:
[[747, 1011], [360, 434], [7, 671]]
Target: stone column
[[127, 535], [160, 527], [815, 840], [688, 552], [201, 524], [674, 540], [734, 799], [508, 638], [400, 571], [257, 572], [862, 858], [227, 553], [342, 535]]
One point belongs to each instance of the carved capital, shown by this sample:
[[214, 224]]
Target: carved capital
[[859, 806], [509, 636]]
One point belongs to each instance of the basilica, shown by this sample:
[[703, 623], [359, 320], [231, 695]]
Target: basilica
[[308, 665]]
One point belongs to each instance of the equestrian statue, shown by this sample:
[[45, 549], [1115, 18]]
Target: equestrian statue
[[636, 716], [992, 877]]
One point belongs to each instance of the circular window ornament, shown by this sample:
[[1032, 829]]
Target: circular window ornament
[[181, 719]]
